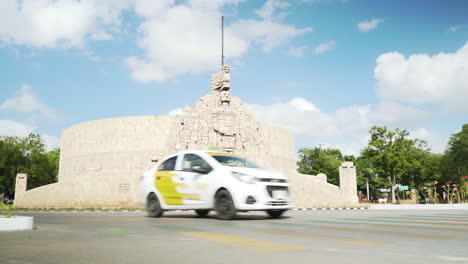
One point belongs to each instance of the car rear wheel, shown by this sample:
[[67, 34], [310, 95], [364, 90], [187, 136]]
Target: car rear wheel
[[225, 207], [153, 206], [275, 213], [202, 213]]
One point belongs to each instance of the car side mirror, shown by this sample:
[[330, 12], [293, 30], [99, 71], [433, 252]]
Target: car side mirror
[[200, 169]]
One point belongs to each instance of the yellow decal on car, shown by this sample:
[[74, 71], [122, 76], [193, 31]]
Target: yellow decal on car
[[221, 154], [165, 184]]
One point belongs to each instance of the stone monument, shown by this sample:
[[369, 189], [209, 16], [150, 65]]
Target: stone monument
[[102, 161]]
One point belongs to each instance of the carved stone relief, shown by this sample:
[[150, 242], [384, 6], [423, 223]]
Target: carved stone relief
[[221, 120]]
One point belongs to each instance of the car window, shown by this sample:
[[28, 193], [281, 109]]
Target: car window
[[233, 161], [191, 160], [168, 165]]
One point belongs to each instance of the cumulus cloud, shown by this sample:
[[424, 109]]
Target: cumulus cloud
[[51, 24], [436, 142], [26, 101], [323, 47], [18, 129], [302, 117], [349, 124], [13, 128], [440, 79], [297, 51], [176, 111], [366, 26], [177, 37], [455, 28], [195, 46]]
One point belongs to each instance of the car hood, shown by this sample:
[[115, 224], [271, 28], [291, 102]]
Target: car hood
[[258, 172]]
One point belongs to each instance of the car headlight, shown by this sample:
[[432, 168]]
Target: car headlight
[[245, 178]]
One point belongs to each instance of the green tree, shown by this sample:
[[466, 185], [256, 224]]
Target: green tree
[[26, 155], [454, 163], [317, 160], [12, 161], [393, 155]]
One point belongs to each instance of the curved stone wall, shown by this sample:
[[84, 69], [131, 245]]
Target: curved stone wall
[[102, 161]]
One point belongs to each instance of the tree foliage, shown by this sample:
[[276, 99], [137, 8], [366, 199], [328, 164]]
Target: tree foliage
[[26, 155], [455, 160], [393, 154], [317, 160]]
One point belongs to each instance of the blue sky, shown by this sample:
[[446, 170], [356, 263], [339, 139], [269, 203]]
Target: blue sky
[[326, 69]]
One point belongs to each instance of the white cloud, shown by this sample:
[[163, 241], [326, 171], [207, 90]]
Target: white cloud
[[440, 79], [346, 128], [268, 10], [101, 36], [436, 142], [185, 39], [212, 4], [17, 129], [323, 47], [13, 128], [51, 142], [177, 111], [63, 23], [303, 118], [297, 51], [177, 37], [26, 101], [366, 26], [455, 28]]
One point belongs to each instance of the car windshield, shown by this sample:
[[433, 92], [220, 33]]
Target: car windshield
[[233, 161]]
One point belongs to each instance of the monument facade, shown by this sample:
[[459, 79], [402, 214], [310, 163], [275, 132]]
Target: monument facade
[[102, 161]]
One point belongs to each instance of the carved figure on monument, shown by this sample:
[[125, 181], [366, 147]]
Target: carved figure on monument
[[219, 119], [221, 81]]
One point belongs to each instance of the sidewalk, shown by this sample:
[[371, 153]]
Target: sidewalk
[[418, 207]]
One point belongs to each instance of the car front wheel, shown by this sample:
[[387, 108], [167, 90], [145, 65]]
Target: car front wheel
[[153, 206], [225, 208]]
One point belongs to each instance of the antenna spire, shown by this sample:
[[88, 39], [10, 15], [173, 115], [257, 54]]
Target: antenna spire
[[222, 41]]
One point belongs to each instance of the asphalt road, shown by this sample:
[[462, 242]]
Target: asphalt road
[[361, 236]]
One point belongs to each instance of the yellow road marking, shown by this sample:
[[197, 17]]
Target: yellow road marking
[[384, 232], [243, 242], [434, 223], [420, 227], [337, 239]]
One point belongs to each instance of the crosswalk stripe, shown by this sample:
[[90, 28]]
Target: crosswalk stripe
[[385, 232], [337, 239], [243, 242], [421, 227]]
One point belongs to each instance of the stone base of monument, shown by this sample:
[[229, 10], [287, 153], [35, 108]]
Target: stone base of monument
[[16, 223]]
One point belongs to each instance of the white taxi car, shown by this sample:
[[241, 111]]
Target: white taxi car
[[204, 181]]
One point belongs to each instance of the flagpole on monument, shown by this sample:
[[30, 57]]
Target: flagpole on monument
[[222, 41]]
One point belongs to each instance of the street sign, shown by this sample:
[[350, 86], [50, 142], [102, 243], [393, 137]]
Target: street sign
[[403, 187]]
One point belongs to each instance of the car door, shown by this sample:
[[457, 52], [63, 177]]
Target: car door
[[167, 181], [195, 173]]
